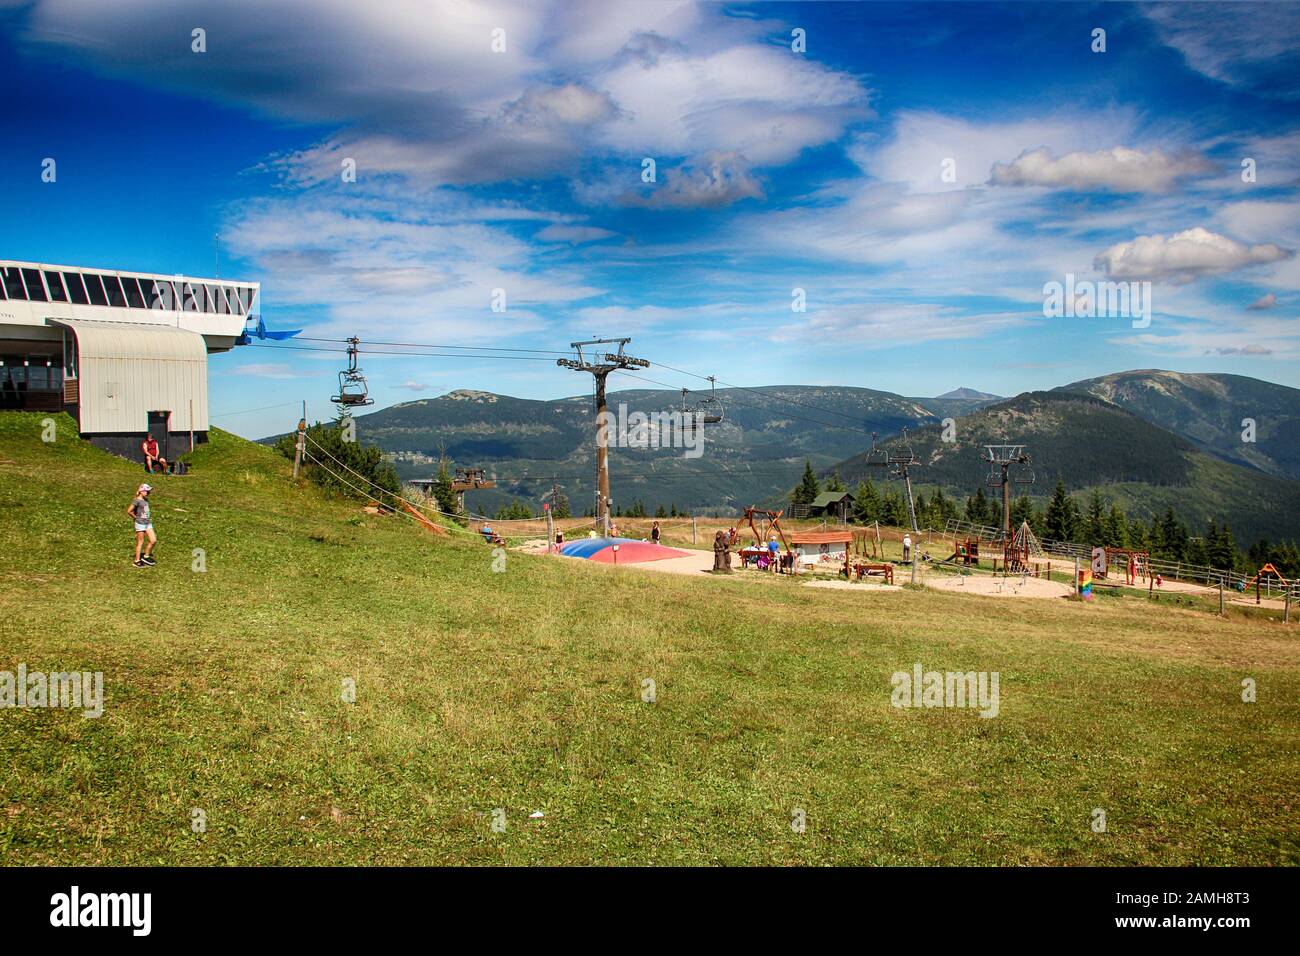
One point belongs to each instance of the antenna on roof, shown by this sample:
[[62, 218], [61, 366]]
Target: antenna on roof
[[216, 255]]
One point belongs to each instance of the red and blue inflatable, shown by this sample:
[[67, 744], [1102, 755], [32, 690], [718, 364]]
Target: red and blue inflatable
[[630, 551]]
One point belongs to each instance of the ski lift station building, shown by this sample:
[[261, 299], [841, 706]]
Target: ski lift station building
[[124, 353]]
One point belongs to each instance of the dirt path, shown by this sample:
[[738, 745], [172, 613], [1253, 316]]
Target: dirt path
[[997, 586]]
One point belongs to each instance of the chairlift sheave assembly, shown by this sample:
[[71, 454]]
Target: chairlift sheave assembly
[[353, 389]]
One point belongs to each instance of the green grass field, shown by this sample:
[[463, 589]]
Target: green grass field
[[521, 690]]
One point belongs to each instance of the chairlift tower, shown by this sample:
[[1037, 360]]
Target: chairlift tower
[[600, 367], [1001, 458]]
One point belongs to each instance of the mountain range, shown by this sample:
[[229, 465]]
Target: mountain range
[[1091, 444], [1212, 412], [1148, 439]]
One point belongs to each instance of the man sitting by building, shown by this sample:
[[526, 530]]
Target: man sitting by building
[[151, 457]]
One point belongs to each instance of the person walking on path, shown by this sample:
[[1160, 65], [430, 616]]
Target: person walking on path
[[145, 538], [907, 548], [654, 533]]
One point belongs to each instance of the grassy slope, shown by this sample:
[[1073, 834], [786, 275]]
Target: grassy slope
[[520, 690]]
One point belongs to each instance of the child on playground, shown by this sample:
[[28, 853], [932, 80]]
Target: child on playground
[[139, 512]]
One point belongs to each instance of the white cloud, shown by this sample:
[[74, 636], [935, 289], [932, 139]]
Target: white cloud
[[760, 101], [1240, 350], [557, 232], [568, 105], [624, 320], [1246, 45], [708, 182], [1254, 337], [871, 325], [1255, 221], [1117, 169], [413, 87], [920, 142], [1183, 256], [408, 280]]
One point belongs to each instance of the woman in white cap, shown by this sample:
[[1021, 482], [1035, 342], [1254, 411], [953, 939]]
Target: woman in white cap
[[139, 512]]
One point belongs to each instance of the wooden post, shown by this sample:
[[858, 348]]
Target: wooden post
[[1076, 575], [550, 528], [1257, 589], [913, 569], [693, 530], [298, 447], [1220, 597], [1286, 608]]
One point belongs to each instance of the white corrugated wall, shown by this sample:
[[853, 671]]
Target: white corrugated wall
[[128, 371]]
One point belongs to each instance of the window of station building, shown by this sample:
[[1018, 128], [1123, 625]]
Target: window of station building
[[191, 297], [35, 288], [13, 282], [13, 376], [158, 294], [134, 297], [54, 282], [95, 289], [116, 297], [41, 375], [76, 291], [209, 298]]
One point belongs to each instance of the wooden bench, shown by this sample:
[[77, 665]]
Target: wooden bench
[[861, 569]]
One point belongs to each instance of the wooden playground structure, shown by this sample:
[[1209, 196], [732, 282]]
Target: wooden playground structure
[[1135, 563], [764, 525], [1266, 571], [1021, 553]]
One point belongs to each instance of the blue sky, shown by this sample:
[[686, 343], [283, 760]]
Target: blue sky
[[776, 170]]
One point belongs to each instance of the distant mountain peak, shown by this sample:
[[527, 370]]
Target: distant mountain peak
[[470, 395], [971, 394]]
